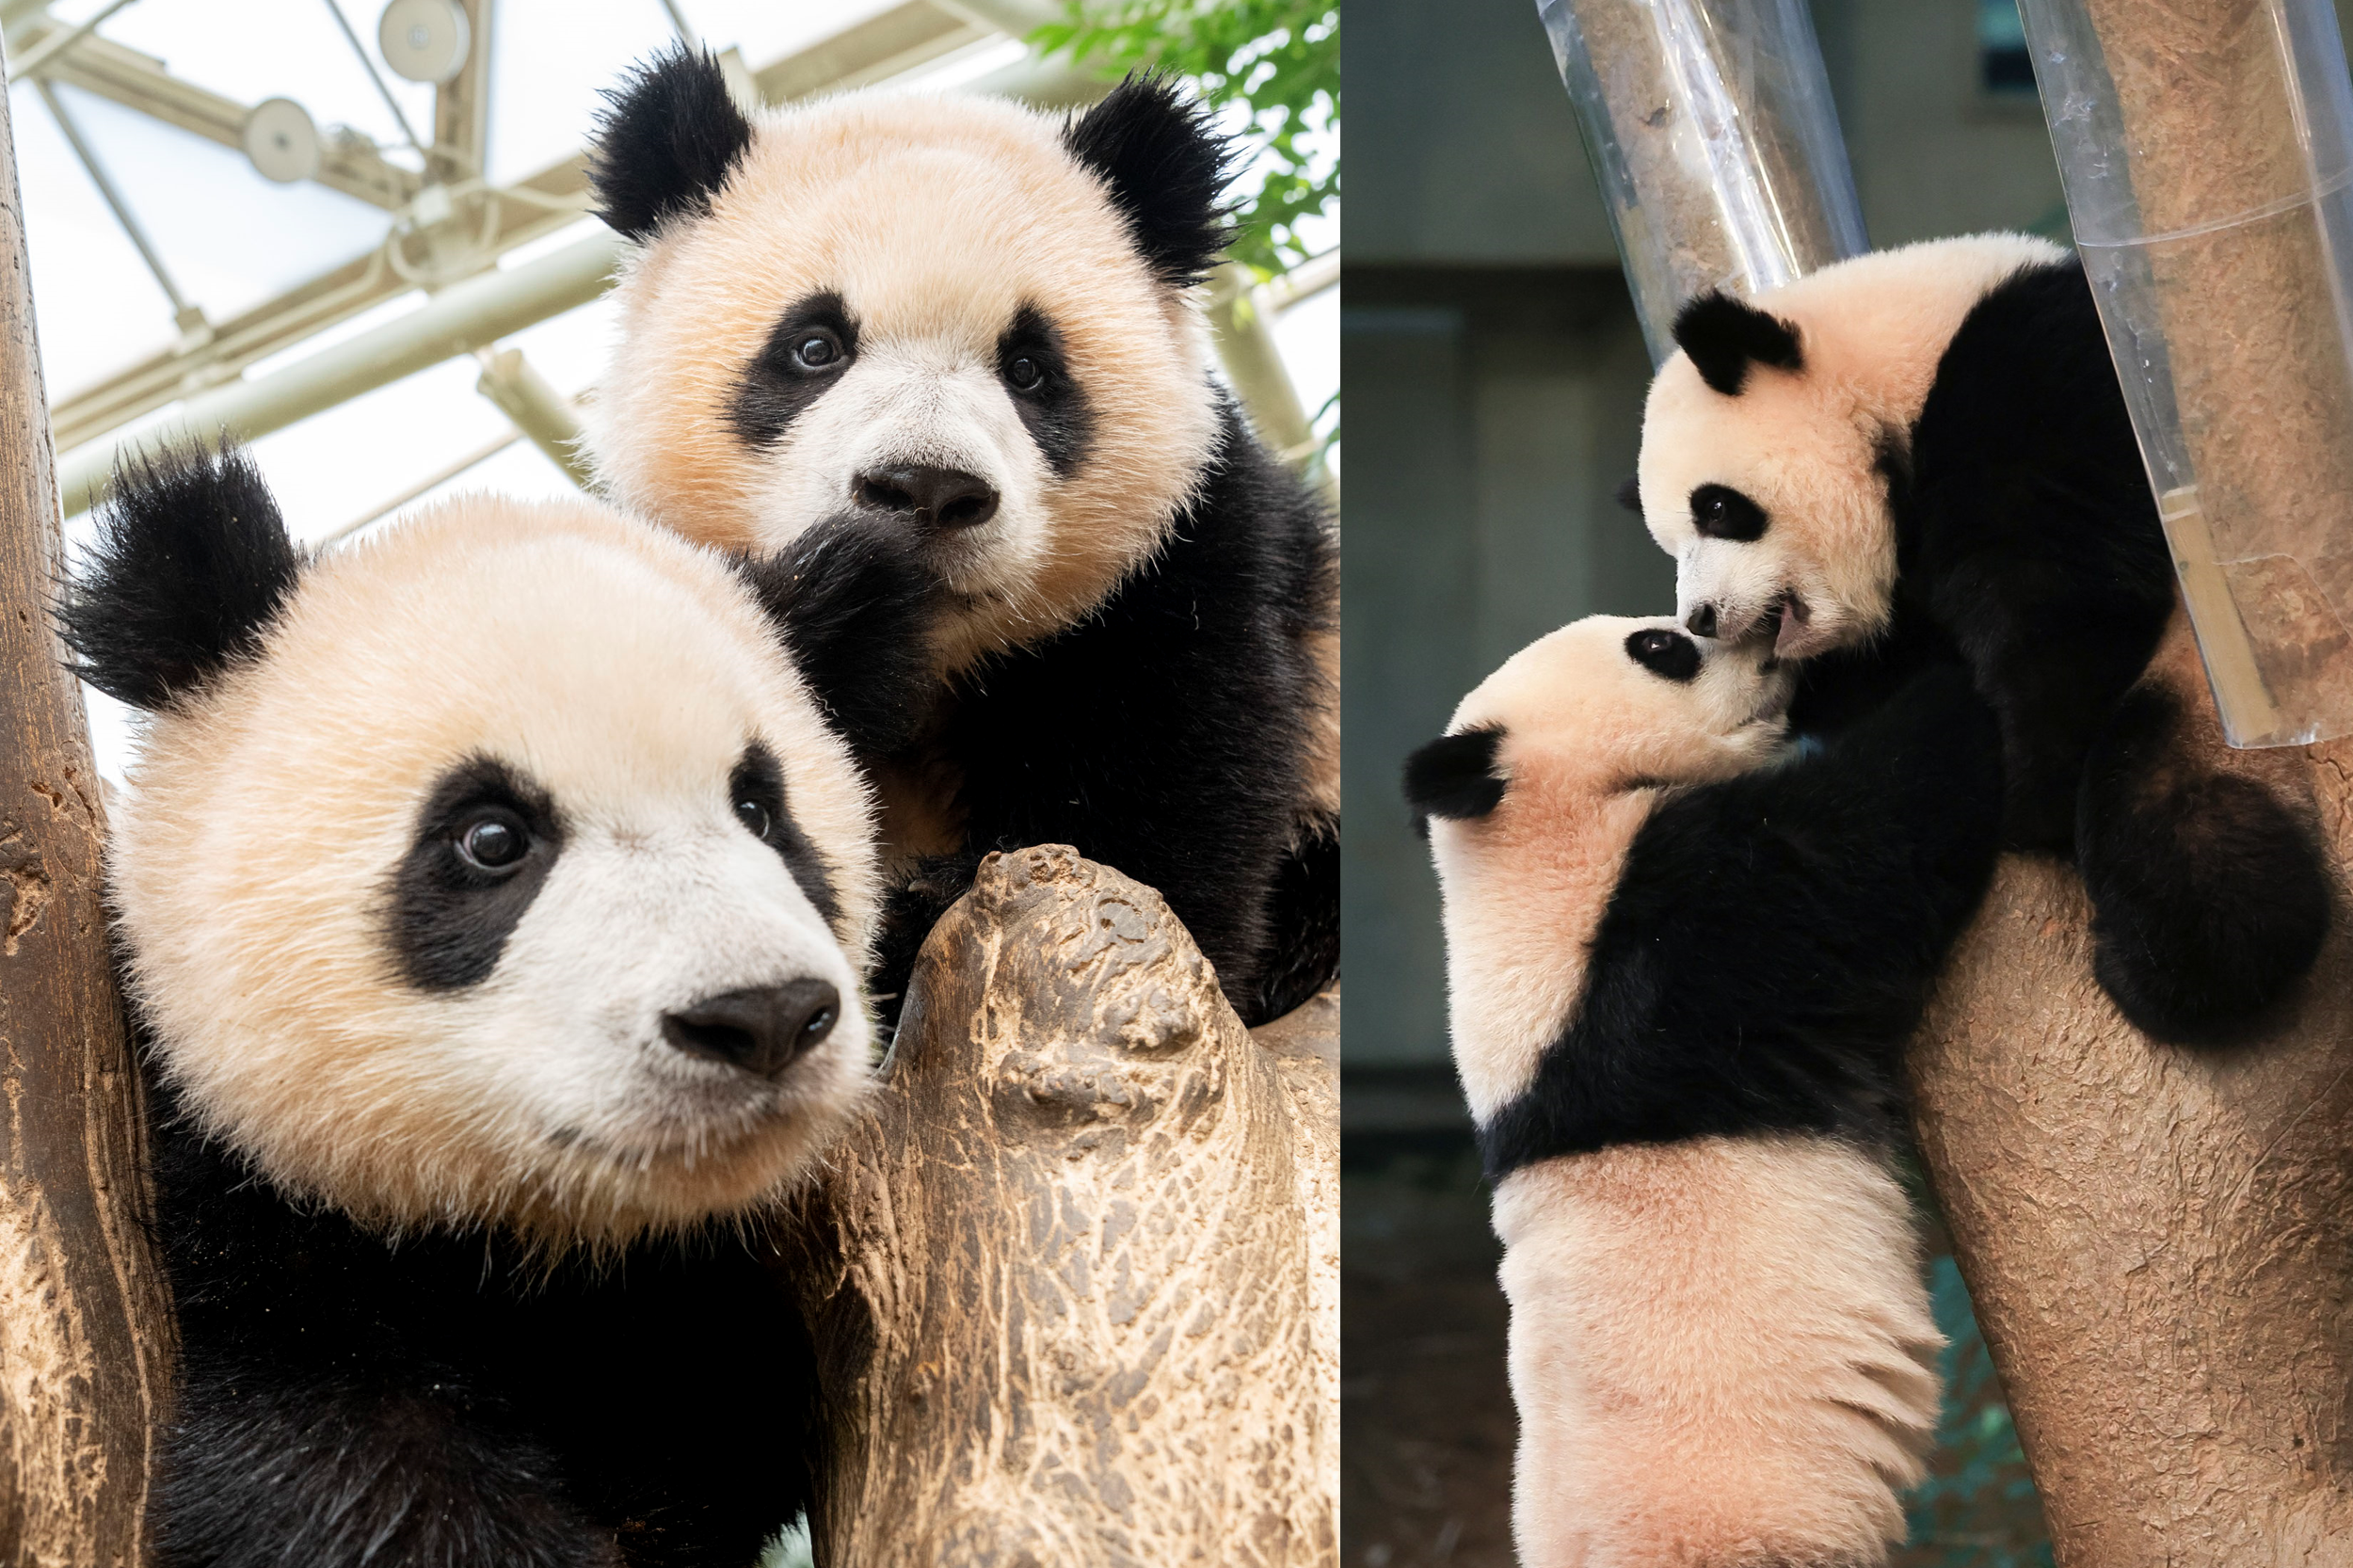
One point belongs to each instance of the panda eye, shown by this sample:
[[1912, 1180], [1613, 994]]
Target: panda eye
[[1664, 653], [494, 842], [1720, 512], [817, 349], [753, 816], [1025, 373]]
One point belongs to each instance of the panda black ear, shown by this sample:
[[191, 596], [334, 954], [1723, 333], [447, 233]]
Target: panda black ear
[[667, 143], [1167, 170], [1454, 777], [1722, 335], [190, 567]]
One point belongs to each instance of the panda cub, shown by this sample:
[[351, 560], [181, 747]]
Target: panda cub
[[492, 896], [1683, 956], [1924, 455], [956, 331]]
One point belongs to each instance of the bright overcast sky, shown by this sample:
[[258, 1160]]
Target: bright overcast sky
[[231, 239]]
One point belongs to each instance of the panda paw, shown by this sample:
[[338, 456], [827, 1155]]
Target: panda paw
[[857, 611], [2210, 896]]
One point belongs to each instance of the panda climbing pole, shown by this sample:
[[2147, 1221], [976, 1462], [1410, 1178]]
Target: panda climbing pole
[[85, 1329], [2158, 1238]]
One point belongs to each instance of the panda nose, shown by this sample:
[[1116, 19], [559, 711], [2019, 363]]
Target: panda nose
[[940, 498], [764, 1030], [1701, 621]]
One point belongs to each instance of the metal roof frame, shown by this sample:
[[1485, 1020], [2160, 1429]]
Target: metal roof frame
[[450, 229]]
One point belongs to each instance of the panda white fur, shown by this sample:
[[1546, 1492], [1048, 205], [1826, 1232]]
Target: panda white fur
[[966, 333], [492, 896], [1683, 955], [1923, 456]]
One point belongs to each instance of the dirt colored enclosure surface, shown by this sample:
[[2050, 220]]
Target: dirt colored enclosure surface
[[1426, 1422]]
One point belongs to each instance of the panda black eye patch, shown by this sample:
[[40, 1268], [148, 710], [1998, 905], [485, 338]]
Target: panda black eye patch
[[812, 343], [485, 842], [1033, 364], [756, 796], [1720, 512], [1662, 652]]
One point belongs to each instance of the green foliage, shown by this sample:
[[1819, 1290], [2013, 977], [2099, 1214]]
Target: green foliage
[[1978, 1508], [1278, 59]]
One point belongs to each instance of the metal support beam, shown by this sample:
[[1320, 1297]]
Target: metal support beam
[[460, 319], [883, 45], [536, 409], [1241, 319], [56, 45], [462, 105], [114, 198], [107, 69], [367, 63]]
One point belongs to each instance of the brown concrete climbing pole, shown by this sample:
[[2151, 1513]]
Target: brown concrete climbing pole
[[84, 1332], [1074, 1277], [2159, 1239]]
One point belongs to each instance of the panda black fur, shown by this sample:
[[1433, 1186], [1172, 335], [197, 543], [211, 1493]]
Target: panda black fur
[[1683, 957], [1923, 456], [491, 894], [957, 329]]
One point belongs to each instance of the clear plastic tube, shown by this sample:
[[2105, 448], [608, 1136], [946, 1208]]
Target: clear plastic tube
[[1712, 135], [2207, 152]]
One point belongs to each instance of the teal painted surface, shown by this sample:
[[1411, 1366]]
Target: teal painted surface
[[1978, 1507]]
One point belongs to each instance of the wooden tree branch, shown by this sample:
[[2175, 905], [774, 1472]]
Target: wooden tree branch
[[1074, 1277], [84, 1330], [2159, 1240]]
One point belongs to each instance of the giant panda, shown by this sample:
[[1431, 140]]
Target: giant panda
[[491, 895], [1683, 954], [959, 330], [1924, 455]]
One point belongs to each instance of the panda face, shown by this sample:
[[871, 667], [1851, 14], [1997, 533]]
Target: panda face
[[1771, 437], [926, 314], [515, 881], [1775, 510], [1549, 770], [1608, 704]]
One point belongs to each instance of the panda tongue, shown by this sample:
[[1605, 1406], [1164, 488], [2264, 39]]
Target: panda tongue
[[1793, 619]]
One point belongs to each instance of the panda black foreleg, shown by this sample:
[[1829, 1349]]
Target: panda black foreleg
[[2052, 661], [1304, 922], [269, 1464], [910, 909], [2210, 896]]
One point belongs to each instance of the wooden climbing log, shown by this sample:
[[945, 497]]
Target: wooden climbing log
[[84, 1332], [1073, 1278], [2159, 1239]]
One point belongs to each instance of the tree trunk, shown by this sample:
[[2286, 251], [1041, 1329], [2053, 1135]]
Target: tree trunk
[[84, 1330], [2159, 1239], [1074, 1278]]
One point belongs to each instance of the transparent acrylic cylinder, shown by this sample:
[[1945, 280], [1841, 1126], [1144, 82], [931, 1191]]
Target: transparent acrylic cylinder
[[2207, 151], [1712, 135]]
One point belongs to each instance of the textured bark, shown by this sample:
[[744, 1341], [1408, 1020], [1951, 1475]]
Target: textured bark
[[84, 1332], [2159, 1240], [1074, 1277]]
